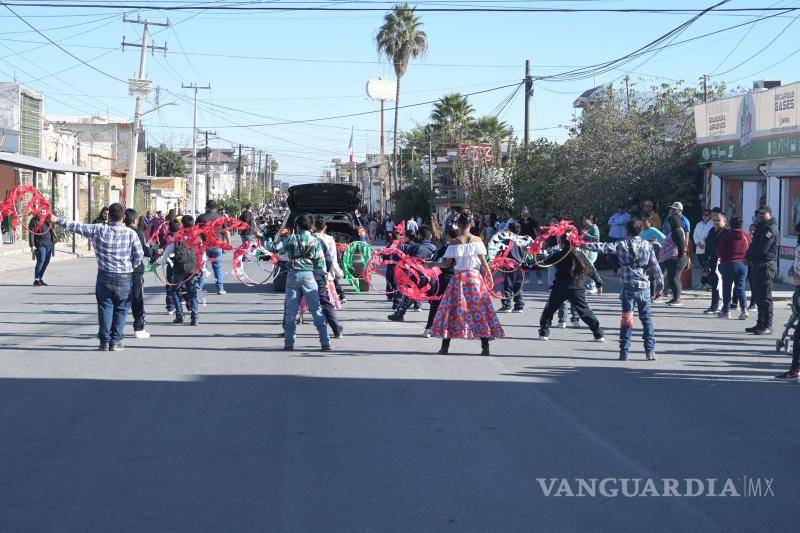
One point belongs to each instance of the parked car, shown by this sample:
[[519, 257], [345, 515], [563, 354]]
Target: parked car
[[337, 203]]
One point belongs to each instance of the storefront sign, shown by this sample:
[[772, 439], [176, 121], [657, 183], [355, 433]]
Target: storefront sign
[[757, 125]]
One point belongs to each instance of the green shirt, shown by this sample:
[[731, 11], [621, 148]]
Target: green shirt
[[302, 251], [652, 234]]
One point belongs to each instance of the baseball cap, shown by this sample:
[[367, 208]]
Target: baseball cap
[[765, 209], [677, 205]]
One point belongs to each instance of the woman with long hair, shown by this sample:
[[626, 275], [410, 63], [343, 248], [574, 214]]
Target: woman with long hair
[[731, 249], [674, 259], [466, 311], [572, 269], [102, 217]]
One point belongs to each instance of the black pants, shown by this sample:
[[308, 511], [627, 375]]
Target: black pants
[[390, 285], [576, 297], [675, 268], [444, 281], [713, 279], [402, 303], [339, 289], [512, 290], [137, 300], [761, 289]]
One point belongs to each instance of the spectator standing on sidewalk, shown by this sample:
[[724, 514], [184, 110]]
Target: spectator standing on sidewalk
[[137, 284], [731, 249], [710, 264], [43, 244], [647, 210], [118, 251], [699, 236], [616, 229], [763, 258], [674, 258]]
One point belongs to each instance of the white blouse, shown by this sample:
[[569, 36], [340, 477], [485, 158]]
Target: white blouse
[[466, 256]]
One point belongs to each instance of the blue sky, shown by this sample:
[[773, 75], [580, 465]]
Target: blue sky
[[321, 62]]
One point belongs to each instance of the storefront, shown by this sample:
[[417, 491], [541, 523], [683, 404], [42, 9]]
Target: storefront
[[750, 145]]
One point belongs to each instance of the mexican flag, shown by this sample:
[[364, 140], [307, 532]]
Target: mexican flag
[[350, 146]]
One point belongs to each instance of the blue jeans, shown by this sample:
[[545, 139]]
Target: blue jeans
[[298, 284], [590, 285], [214, 258], [190, 288], [733, 274], [641, 301], [43, 255], [113, 301]]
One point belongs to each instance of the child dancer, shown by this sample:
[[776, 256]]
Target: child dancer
[[569, 285], [512, 280], [466, 310]]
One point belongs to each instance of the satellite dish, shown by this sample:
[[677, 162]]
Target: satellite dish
[[380, 89]]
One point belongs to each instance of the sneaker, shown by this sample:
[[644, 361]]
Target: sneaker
[[518, 310], [561, 325], [193, 322], [601, 339], [178, 320], [42, 283], [339, 334], [170, 312], [752, 328], [749, 307], [141, 334], [426, 334], [592, 292], [504, 309], [724, 314], [576, 324], [36, 283], [734, 307], [675, 303], [650, 357], [744, 315], [394, 317], [417, 309], [115, 347], [288, 348], [543, 338], [343, 300], [791, 375], [103, 347], [763, 331], [281, 335], [222, 291], [623, 357], [327, 347], [711, 310]]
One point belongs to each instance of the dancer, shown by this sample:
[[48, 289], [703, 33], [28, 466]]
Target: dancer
[[424, 249], [634, 256], [512, 279], [214, 253], [328, 296], [304, 255], [569, 285], [445, 276], [183, 276], [466, 309], [43, 246], [137, 283]]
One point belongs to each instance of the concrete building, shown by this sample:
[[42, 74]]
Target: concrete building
[[21, 120], [221, 175]]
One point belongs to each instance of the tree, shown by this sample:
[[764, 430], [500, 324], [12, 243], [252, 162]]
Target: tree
[[490, 129], [452, 117], [167, 162], [400, 38]]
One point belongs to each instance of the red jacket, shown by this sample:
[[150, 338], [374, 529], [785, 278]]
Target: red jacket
[[732, 246]]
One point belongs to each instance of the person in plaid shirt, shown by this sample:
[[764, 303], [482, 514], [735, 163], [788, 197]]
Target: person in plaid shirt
[[118, 251], [304, 255], [635, 255]]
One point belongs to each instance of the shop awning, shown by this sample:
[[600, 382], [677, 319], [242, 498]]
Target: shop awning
[[784, 168], [41, 165], [738, 169]]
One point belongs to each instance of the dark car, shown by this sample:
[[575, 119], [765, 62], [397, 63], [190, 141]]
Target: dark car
[[337, 203]]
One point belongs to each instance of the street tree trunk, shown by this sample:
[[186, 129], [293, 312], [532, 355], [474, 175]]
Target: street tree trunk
[[394, 139]]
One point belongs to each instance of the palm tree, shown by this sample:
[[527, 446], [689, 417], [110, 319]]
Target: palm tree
[[452, 117], [490, 129], [401, 38]]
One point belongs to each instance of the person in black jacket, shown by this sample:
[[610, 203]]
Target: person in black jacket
[[137, 279], [247, 218], [572, 268], [710, 264], [762, 255], [43, 246]]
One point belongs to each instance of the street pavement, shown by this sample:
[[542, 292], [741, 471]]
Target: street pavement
[[214, 428]]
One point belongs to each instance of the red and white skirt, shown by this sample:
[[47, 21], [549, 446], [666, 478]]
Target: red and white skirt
[[466, 310]]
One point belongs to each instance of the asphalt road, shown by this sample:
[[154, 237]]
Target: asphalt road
[[214, 428]]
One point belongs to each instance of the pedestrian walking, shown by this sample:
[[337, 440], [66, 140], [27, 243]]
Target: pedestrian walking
[[304, 255], [674, 259], [763, 258], [569, 285], [466, 310], [635, 257], [137, 278], [42, 241], [731, 250], [118, 251], [329, 298]]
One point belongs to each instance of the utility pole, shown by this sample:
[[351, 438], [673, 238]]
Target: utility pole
[[705, 88], [528, 94], [627, 94], [251, 181], [208, 175], [194, 142], [239, 176], [430, 170], [380, 170], [140, 88]]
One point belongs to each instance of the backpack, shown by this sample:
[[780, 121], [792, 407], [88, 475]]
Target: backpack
[[184, 260]]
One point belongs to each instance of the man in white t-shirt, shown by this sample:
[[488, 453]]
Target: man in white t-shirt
[[411, 225]]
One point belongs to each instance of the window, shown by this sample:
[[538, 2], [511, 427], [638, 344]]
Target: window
[[732, 196], [30, 126], [792, 205]]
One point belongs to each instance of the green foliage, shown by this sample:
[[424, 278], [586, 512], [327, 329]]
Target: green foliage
[[254, 196], [168, 162], [452, 118]]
